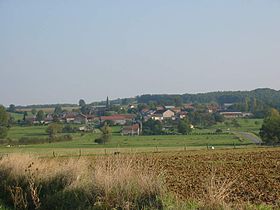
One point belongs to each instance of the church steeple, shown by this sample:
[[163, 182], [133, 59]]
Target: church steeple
[[107, 103]]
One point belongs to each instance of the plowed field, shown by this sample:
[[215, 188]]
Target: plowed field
[[255, 173]]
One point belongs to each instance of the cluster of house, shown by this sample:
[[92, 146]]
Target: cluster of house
[[128, 121], [78, 118], [162, 113]]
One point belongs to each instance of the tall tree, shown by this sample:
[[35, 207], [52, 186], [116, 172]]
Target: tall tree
[[106, 132], [40, 115], [53, 129], [4, 116], [12, 108], [34, 111], [24, 115], [152, 127], [58, 110], [184, 126], [82, 102], [4, 121], [270, 130]]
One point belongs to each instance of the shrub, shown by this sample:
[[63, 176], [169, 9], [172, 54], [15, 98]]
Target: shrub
[[219, 130], [27, 140]]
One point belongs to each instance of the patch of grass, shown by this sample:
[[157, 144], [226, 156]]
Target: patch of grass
[[16, 116], [247, 125]]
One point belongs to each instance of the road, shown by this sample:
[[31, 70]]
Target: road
[[251, 137]]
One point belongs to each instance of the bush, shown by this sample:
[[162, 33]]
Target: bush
[[3, 132], [27, 140], [219, 130], [106, 134], [69, 129]]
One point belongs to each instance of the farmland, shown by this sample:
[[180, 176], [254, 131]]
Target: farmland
[[214, 179], [193, 172], [254, 173], [199, 139]]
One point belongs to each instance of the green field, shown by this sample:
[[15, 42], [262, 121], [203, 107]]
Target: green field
[[248, 125], [199, 139], [16, 116]]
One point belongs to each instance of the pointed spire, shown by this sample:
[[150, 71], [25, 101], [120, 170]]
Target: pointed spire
[[107, 102]]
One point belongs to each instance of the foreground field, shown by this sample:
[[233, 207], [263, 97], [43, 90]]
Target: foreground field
[[254, 174], [200, 179]]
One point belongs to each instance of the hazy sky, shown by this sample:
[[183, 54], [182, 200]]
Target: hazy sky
[[61, 51]]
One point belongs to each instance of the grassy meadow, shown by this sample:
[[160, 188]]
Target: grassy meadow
[[84, 143]]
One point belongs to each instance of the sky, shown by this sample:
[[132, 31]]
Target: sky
[[61, 51]]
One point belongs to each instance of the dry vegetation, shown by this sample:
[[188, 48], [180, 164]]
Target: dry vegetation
[[103, 183], [227, 179], [232, 177]]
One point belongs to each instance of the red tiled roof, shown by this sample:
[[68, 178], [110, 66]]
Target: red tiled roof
[[117, 117]]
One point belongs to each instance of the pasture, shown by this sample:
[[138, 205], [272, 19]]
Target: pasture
[[84, 142]]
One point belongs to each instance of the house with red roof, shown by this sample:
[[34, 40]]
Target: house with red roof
[[131, 130], [118, 119]]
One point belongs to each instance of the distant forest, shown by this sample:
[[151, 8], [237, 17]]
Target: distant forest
[[253, 101], [266, 96]]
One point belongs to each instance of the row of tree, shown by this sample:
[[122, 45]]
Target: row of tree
[[257, 101]]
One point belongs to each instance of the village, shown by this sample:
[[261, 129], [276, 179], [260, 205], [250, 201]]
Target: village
[[133, 117]]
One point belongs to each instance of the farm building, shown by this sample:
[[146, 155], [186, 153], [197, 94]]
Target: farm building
[[80, 119], [118, 119], [232, 115], [131, 130]]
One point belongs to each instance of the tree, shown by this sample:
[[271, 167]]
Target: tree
[[3, 132], [235, 123], [58, 110], [69, 129], [4, 122], [184, 127], [53, 129], [40, 115], [270, 130], [178, 101], [85, 109], [82, 102], [106, 132], [152, 127], [33, 111], [218, 117], [12, 108], [25, 115], [4, 116]]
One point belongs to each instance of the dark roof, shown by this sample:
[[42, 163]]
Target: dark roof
[[159, 111]]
